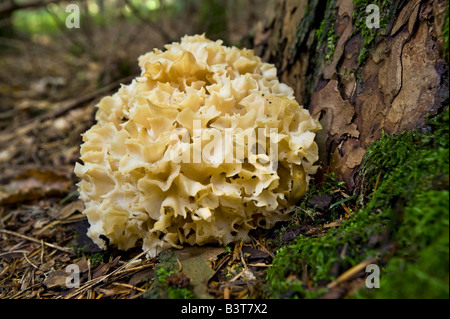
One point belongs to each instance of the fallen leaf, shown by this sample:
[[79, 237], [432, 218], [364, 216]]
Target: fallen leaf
[[292, 232], [34, 184], [321, 202], [103, 268], [255, 254], [56, 279], [111, 290], [141, 276], [68, 210], [196, 263], [82, 265]]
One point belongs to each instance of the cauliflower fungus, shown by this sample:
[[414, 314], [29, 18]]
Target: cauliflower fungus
[[204, 146]]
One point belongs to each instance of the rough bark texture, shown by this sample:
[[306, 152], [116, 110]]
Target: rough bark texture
[[402, 78]]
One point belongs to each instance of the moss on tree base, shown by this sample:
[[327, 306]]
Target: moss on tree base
[[402, 223]]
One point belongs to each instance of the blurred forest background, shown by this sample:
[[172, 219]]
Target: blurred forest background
[[42, 61], [47, 69]]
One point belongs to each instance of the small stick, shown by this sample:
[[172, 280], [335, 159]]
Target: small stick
[[376, 184], [96, 281], [378, 180], [260, 265], [350, 273], [226, 292], [128, 286], [13, 252], [42, 252], [349, 213], [34, 240], [25, 256]]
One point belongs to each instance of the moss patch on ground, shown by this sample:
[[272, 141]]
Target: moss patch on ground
[[169, 282], [401, 222]]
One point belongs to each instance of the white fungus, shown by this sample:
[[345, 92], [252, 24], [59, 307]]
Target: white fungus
[[204, 146]]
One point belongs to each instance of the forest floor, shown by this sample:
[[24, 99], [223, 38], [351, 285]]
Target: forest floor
[[397, 219]]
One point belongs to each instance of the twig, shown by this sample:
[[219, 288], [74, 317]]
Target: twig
[[13, 252], [138, 268], [241, 283], [266, 250], [237, 276], [90, 292], [25, 256], [260, 265], [24, 290], [96, 281], [349, 213], [351, 272], [42, 252], [237, 249], [376, 184], [226, 292], [128, 286], [34, 240]]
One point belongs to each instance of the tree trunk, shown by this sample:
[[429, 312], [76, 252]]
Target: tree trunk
[[357, 80]]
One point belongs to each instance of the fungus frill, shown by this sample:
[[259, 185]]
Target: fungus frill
[[204, 146]]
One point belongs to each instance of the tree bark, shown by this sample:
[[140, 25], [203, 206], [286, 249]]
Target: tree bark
[[357, 81]]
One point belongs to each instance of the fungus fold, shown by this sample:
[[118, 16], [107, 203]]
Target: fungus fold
[[203, 147]]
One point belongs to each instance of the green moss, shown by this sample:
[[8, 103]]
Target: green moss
[[404, 223], [326, 33], [172, 292], [329, 186], [166, 267], [420, 267], [323, 258], [96, 258], [331, 44], [369, 35]]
